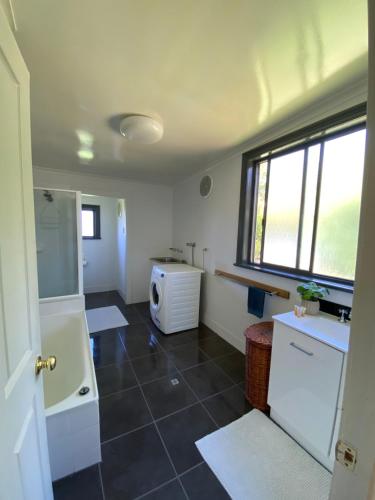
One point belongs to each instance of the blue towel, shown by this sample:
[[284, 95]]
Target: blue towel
[[255, 301]]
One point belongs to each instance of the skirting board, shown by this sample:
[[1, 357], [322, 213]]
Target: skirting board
[[99, 288], [122, 295], [225, 334]]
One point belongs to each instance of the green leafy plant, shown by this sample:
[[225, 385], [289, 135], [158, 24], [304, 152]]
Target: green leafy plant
[[311, 291]]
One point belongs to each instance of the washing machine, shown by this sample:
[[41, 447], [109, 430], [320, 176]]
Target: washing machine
[[174, 297]]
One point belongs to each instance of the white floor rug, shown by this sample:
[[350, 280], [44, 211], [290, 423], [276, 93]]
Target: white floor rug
[[104, 318], [255, 460]]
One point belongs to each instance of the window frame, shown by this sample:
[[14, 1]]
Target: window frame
[[317, 133], [95, 209]]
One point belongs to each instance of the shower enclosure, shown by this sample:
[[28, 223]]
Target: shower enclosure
[[58, 241]]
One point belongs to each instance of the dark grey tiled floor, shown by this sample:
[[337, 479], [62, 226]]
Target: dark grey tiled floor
[[207, 379], [180, 431], [85, 485], [165, 396], [114, 378], [123, 412], [158, 395], [200, 483]]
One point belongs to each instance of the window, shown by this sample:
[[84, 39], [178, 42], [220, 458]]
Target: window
[[91, 222], [300, 202]]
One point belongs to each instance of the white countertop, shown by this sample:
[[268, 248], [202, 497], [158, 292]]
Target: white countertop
[[324, 328]]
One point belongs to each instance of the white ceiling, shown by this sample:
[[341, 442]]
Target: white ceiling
[[215, 72]]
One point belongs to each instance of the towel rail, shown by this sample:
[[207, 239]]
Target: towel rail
[[247, 282]]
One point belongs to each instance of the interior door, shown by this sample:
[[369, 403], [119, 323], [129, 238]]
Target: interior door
[[24, 464]]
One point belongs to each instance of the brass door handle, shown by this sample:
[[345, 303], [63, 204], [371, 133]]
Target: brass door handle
[[41, 364]]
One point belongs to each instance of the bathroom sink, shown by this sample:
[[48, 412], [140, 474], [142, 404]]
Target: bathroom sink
[[322, 327], [167, 260]]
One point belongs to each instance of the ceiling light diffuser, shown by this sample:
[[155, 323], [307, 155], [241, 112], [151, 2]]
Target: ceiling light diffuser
[[141, 129]]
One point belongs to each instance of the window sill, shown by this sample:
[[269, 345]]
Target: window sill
[[298, 277], [91, 237]]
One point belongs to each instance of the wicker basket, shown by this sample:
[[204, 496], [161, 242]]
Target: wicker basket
[[258, 362]]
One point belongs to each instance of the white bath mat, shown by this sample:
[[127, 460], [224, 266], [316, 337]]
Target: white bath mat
[[104, 318], [254, 459]]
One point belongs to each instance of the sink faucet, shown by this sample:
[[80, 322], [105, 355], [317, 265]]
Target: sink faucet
[[342, 313], [177, 250]]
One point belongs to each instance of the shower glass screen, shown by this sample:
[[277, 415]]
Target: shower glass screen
[[56, 241]]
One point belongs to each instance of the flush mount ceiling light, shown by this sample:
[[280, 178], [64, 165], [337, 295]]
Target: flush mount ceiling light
[[141, 129]]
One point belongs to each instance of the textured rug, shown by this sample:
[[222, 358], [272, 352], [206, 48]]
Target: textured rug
[[105, 318], [254, 459]]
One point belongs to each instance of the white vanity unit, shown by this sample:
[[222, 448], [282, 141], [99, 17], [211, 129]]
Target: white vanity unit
[[307, 380]]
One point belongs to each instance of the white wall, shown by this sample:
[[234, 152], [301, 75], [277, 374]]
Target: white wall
[[149, 219], [212, 223], [358, 421], [121, 248], [100, 274]]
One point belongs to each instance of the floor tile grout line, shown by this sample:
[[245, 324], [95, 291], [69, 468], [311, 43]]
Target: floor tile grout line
[[118, 392], [156, 427], [112, 364], [195, 366], [177, 368], [211, 361], [209, 358], [170, 480], [101, 480], [189, 343], [177, 346], [210, 414], [143, 356], [191, 468], [183, 488], [227, 389], [234, 382], [154, 421], [225, 373], [159, 419], [135, 358], [159, 434], [138, 383], [200, 401], [155, 489], [154, 424], [123, 434]]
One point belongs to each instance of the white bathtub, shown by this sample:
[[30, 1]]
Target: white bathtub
[[72, 420]]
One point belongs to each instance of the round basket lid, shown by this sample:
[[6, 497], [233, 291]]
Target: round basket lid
[[260, 333]]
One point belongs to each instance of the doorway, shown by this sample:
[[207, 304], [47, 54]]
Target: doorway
[[103, 244]]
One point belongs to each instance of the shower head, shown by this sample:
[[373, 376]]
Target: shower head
[[48, 196]]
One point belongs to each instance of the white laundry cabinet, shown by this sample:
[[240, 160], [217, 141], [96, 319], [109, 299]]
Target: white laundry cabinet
[[307, 379]]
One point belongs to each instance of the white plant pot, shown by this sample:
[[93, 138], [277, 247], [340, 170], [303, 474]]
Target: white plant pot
[[312, 308]]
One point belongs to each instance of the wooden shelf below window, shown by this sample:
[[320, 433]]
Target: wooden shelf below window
[[247, 282]]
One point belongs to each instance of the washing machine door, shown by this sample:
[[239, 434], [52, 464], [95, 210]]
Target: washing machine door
[[155, 295]]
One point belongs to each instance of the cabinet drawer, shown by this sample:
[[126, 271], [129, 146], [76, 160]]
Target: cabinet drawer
[[304, 385]]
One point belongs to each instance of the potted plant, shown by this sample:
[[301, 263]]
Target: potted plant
[[310, 294]]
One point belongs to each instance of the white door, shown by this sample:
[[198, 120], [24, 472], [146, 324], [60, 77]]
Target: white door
[[24, 464]]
